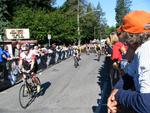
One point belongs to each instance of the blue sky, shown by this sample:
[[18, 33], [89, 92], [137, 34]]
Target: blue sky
[[108, 7]]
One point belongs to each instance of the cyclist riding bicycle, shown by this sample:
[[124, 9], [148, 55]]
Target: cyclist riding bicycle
[[98, 51], [76, 54], [27, 62]]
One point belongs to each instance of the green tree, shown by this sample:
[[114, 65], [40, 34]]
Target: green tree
[[109, 30], [93, 23], [101, 22], [122, 8], [88, 23], [73, 9], [3, 16], [35, 20], [41, 22], [35, 4]]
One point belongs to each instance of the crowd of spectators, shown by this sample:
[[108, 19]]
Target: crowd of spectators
[[45, 56]]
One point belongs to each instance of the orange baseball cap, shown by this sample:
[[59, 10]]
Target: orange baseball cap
[[135, 22]]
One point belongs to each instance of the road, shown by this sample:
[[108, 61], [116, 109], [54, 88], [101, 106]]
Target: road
[[67, 89]]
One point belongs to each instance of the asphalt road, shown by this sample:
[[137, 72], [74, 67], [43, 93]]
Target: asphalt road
[[67, 89]]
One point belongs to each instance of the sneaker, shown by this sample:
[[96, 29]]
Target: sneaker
[[38, 88]]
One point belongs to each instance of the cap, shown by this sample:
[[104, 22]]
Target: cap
[[135, 22]]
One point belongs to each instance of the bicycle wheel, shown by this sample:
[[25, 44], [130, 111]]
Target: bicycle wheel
[[24, 96], [75, 62], [98, 57]]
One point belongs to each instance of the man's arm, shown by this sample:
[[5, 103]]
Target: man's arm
[[133, 100], [33, 62], [20, 64]]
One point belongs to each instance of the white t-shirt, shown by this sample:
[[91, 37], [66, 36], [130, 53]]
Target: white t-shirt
[[29, 57]]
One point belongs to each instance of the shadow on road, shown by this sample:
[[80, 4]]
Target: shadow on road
[[44, 87], [5, 85], [96, 59], [105, 86]]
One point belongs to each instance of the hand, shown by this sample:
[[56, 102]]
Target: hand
[[8, 59], [28, 71], [112, 103], [25, 71], [115, 65], [122, 73]]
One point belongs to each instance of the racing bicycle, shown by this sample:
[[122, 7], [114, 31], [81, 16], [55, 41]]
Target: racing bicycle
[[28, 90]]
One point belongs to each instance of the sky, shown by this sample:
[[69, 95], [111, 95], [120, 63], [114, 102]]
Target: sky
[[108, 6]]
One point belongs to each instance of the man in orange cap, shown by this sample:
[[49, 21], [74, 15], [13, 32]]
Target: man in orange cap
[[136, 30]]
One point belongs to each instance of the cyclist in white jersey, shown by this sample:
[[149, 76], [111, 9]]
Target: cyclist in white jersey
[[27, 61]]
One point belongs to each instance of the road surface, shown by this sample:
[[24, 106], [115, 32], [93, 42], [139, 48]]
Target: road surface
[[66, 89]]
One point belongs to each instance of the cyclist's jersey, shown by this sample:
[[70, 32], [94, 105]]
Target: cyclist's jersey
[[27, 60], [29, 57], [76, 53], [98, 47]]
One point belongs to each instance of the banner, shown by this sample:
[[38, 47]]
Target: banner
[[17, 33]]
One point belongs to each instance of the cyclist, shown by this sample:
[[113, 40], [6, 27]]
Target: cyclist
[[28, 63], [98, 51], [76, 55]]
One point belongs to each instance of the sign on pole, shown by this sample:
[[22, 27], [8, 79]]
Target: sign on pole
[[49, 38], [0, 37]]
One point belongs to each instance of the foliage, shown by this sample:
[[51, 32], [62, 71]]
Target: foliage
[[42, 19], [109, 30], [122, 8], [3, 16]]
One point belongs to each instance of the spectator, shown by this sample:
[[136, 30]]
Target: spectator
[[1, 64], [17, 51], [118, 48], [108, 47], [136, 29], [4, 57], [6, 52]]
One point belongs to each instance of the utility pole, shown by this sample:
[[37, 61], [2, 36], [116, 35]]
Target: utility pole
[[78, 23]]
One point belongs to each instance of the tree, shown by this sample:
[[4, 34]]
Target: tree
[[71, 6], [102, 22], [88, 23], [109, 30], [35, 4], [3, 16], [41, 22], [122, 8], [74, 9], [93, 23]]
